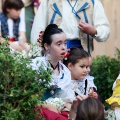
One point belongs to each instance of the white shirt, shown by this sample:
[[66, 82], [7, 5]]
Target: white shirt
[[62, 80], [69, 22], [79, 85]]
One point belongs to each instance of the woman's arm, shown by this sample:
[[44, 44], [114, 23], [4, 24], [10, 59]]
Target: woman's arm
[[50, 107]]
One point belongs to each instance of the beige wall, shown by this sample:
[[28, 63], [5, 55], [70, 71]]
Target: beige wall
[[112, 9], [0, 5]]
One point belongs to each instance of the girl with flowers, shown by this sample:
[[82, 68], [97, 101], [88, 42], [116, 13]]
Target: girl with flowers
[[53, 42]]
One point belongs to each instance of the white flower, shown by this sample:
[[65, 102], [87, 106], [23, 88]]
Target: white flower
[[56, 99], [58, 102]]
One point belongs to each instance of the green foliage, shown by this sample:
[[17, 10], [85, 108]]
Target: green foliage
[[21, 88], [117, 53], [105, 70]]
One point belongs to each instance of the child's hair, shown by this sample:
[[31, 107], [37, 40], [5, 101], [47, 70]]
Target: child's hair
[[12, 4], [50, 30], [75, 54], [90, 109]]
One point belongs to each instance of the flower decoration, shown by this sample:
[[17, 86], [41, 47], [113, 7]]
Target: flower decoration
[[58, 102], [67, 54], [39, 40]]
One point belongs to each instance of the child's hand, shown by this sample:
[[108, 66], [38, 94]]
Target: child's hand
[[79, 98], [92, 93]]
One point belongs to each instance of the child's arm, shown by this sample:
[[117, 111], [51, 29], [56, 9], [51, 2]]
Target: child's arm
[[74, 105]]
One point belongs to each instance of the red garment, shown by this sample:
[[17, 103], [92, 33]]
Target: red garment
[[50, 115]]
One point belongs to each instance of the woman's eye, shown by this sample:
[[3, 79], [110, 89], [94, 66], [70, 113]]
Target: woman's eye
[[58, 44]]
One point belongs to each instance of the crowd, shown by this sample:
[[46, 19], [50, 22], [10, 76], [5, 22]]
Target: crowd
[[64, 30]]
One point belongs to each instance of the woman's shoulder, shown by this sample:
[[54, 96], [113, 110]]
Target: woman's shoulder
[[38, 61], [64, 68]]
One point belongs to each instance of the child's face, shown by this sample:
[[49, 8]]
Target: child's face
[[58, 46], [13, 14], [79, 70], [90, 63]]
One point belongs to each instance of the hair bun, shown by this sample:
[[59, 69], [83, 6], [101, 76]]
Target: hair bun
[[51, 26]]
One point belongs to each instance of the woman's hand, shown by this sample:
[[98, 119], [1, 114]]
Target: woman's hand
[[75, 103]]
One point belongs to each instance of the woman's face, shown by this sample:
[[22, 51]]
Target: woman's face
[[58, 48], [79, 70], [13, 14]]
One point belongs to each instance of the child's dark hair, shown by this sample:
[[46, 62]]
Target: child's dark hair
[[12, 4], [50, 30], [90, 109], [75, 54]]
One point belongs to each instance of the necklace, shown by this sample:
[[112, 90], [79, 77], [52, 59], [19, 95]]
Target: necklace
[[53, 66]]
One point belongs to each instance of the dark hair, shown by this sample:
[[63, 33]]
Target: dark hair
[[12, 4], [50, 30], [75, 54], [90, 109]]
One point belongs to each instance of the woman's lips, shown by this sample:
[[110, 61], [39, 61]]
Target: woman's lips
[[63, 53]]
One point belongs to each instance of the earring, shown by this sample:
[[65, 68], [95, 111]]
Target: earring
[[48, 51], [48, 54]]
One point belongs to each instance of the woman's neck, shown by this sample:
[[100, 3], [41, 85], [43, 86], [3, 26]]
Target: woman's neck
[[53, 62]]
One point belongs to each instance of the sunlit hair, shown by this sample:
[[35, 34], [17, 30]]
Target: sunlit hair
[[75, 54], [90, 109]]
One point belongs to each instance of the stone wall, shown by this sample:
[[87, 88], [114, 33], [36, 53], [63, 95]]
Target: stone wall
[[112, 10]]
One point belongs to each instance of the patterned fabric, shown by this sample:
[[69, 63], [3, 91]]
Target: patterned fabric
[[79, 86], [4, 26], [114, 100], [110, 114], [62, 80], [60, 84]]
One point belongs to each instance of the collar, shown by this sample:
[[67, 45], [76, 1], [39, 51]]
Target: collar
[[57, 6]]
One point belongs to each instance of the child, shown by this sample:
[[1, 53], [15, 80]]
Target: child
[[78, 64], [12, 25], [88, 76], [87, 109], [114, 100], [17, 46]]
